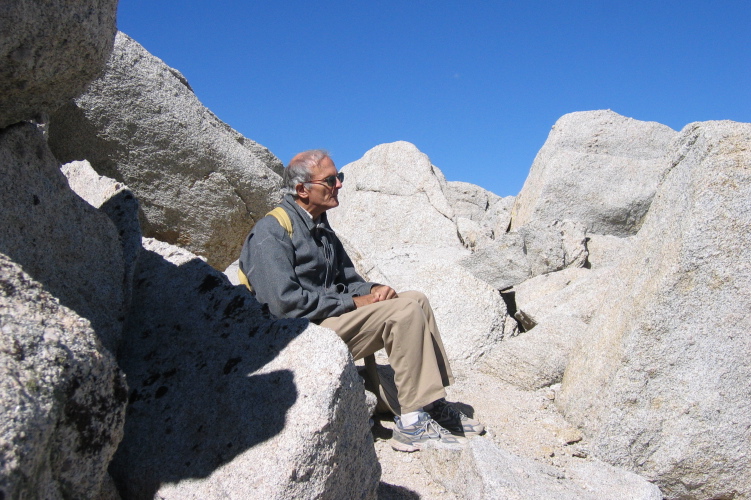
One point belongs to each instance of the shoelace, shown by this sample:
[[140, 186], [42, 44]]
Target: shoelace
[[453, 412], [431, 425]]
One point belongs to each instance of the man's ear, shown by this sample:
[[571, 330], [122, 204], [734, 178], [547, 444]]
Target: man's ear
[[302, 192]]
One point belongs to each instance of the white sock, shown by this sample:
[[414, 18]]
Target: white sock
[[410, 418]]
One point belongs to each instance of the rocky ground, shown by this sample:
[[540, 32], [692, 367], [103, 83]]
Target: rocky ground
[[522, 422]]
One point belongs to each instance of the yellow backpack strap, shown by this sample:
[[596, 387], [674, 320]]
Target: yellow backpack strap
[[244, 279], [282, 217]]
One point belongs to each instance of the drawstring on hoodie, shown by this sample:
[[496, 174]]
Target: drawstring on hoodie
[[328, 251]]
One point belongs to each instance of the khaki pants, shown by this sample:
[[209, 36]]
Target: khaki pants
[[406, 329]]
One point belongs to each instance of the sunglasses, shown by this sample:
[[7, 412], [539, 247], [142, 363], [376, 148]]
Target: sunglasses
[[330, 181]]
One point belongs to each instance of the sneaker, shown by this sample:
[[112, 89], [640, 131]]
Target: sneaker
[[424, 432], [454, 420]]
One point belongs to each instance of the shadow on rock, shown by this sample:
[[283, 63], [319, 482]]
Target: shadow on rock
[[194, 352], [388, 491]]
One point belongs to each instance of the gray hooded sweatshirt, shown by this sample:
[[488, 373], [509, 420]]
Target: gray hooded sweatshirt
[[306, 276]]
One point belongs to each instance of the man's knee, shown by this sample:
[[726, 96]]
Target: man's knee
[[418, 297], [405, 309]]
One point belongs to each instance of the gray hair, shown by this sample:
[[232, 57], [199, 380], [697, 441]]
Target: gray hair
[[299, 170]]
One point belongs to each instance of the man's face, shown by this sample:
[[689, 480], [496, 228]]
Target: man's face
[[321, 197]]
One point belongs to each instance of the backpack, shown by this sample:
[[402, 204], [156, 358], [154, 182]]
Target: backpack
[[282, 217]]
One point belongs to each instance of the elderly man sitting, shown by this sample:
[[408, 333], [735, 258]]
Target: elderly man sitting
[[302, 271]]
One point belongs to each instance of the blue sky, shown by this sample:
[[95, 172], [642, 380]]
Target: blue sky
[[474, 85]]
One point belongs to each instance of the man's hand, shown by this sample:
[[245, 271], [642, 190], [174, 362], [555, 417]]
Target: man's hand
[[377, 293], [383, 292]]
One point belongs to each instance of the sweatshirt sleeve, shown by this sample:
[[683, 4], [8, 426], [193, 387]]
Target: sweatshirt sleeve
[[268, 260]]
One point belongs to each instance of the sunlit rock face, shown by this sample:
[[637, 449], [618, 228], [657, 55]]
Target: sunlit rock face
[[660, 380], [201, 185], [50, 50], [598, 168], [482, 470]]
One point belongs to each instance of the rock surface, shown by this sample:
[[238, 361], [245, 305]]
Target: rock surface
[[533, 250], [119, 204], [471, 201], [201, 184], [537, 358], [555, 309], [62, 396], [482, 470], [573, 292], [661, 383], [51, 49], [604, 250], [481, 216], [58, 238], [400, 199], [598, 168], [227, 402], [554, 246], [502, 263]]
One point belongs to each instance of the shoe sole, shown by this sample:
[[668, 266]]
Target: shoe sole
[[404, 447], [410, 448]]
